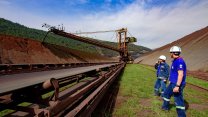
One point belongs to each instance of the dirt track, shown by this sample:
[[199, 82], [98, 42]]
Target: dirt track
[[198, 74]]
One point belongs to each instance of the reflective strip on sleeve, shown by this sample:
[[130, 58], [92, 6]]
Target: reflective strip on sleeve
[[166, 99], [156, 89], [180, 107]]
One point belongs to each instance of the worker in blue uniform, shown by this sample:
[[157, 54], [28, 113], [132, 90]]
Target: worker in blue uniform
[[177, 82], [162, 75]]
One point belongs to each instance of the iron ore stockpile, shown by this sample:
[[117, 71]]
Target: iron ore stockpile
[[194, 48], [194, 51]]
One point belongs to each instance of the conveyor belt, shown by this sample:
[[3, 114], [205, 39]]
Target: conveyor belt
[[17, 81]]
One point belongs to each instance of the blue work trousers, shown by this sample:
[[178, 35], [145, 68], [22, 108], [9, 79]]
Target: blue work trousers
[[178, 98], [160, 83]]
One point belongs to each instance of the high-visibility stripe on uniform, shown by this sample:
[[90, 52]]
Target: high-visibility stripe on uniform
[[162, 92], [180, 107], [156, 89], [166, 99], [162, 78]]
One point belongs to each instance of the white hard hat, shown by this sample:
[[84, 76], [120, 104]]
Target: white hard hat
[[162, 57], [175, 49]]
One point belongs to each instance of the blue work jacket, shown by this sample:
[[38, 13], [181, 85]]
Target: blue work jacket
[[163, 70]]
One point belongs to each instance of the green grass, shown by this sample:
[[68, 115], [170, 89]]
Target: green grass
[[136, 90], [44, 96], [6, 112], [9, 111], [197, 82], [10, 28], [189, 79], [136, 87]]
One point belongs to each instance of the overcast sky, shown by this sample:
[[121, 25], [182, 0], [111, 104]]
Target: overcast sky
[[153, 22]]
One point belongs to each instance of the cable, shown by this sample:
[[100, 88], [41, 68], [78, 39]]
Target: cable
[[95, 32], [130, 34]]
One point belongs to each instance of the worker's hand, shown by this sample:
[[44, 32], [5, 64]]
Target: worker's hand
[[176, 89]]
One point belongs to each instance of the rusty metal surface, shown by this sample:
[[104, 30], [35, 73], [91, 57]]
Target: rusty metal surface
[[7, 69], [97, 85], [64, 103], [82, 98], [73, 89], [17, 81], [95, 96], [82, 39]]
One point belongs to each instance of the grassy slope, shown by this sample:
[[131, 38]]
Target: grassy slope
[[136, 94], [15, 29]]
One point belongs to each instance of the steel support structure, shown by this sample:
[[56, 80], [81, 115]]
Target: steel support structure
[[75, 95]]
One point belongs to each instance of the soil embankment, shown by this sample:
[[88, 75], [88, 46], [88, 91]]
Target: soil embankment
[[16, 50], [194, 51]]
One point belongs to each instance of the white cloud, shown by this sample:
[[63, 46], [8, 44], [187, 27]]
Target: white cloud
[[153, 27]]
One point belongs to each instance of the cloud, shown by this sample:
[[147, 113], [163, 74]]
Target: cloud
[[154, 26], [4, 2]]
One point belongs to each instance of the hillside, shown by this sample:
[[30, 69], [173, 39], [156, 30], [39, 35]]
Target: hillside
[[14, 50], [15, 29], [194, 51]]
